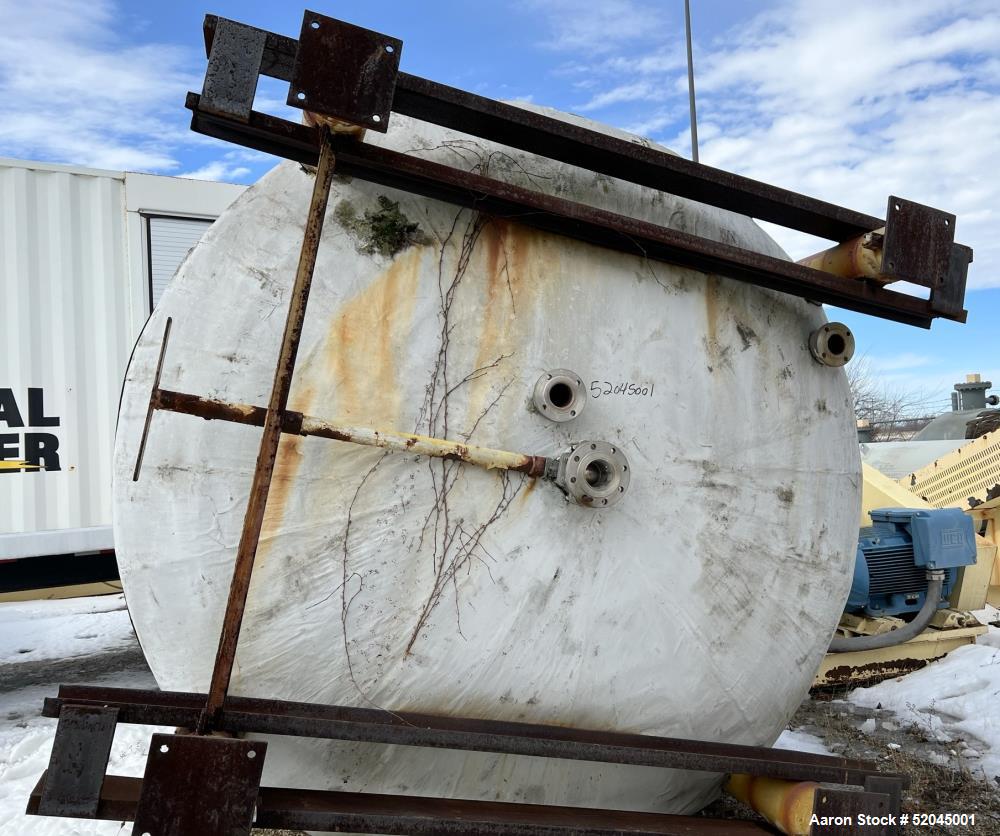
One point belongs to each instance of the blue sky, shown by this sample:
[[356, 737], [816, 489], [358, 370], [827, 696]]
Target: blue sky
[[846, 100]]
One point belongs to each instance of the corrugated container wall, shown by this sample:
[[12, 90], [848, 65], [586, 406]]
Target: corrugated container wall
[[84, 255], [68, 325]]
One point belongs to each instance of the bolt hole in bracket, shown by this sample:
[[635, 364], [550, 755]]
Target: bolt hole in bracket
[[359, 86], [593, 473], [559, 395]]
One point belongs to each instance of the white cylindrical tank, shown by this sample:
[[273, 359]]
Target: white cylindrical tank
[[698, 606]]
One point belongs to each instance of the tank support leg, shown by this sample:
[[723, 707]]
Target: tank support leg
[[271, 437]]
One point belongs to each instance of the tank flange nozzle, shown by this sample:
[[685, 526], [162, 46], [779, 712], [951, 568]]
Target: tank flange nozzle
[[832, 344], [559, 395], [593, 473]]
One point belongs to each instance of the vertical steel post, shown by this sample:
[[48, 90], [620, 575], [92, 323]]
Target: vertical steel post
[[271, 437], [694, 116]]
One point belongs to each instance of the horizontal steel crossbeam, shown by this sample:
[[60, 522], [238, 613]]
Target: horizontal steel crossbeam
[[565, 217], [282, 808], [250, 715], [920, 237], [169, 796], [539, 134]]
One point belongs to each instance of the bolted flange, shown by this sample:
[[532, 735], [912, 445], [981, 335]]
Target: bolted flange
[[559, 395], [832, 344], [594, 473]]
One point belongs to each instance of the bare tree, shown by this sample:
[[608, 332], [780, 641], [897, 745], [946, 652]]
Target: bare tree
[[893, 411]]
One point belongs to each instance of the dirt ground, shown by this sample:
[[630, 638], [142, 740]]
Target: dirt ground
[[940, 780]]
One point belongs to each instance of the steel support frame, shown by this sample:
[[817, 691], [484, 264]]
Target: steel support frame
[[120, 798], [246, 552], [922, 237]]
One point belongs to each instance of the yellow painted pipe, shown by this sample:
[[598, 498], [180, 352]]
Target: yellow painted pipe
[[425, 446], [299, 424], [859, 258], [788, 805]]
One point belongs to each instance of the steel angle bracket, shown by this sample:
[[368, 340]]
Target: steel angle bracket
[[203, 785], [919, 247], [233, 70], [863, 813], [73, 782], [345, 72]]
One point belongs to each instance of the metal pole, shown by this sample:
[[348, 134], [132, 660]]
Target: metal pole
[[271, 437], [694, 116]]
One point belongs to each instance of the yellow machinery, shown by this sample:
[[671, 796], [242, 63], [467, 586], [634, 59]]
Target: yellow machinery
[[963, 478]]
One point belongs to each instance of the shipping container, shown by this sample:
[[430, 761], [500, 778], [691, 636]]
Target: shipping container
[[84, 257]]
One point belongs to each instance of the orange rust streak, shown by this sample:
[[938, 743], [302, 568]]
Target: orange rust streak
[[355, 370], [286, 468], [506, 256], [361, 350]]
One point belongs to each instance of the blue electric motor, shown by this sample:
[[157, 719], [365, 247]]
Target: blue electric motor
[[894, 555]]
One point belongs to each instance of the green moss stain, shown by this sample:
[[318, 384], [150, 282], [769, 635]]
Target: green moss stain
[[383, 231]]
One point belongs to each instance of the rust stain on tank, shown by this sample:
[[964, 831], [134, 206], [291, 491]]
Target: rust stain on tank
[[359, 358], [501, 242], [509, 260], [286, 469], [353, 376]]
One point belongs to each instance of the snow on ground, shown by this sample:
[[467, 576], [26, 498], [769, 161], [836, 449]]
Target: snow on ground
[[42, 643], [95, 633], [32, 631], [801, 741], [25, 744], [956, 699]]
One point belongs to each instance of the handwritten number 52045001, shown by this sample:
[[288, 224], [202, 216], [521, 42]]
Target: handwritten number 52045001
[[599, 388]]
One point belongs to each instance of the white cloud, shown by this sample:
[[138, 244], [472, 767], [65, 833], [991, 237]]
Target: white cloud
[[845, 100], [218, 170], [597, 27], [640, 90], [71, 91]]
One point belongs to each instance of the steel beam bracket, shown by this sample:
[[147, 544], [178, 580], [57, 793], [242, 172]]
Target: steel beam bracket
[[919, 247], [203, 785], [211, 785], [233, 70], [341, 73], [835, 804], [358, 85], [72, 784]]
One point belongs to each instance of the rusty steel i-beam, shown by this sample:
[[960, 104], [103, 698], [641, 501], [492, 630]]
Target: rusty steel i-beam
[[919, 244], [271, 437]]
